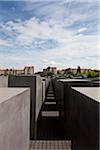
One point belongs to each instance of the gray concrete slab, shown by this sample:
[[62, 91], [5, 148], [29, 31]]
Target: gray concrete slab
[[50, 113], [50, 103], [73, 80], [91, 92], [7, 93], [50, 94], [50, 145], [84, 122], [36, 97], [39, 95], [43, 90], [51, 98], [14, 118], [3, 81]]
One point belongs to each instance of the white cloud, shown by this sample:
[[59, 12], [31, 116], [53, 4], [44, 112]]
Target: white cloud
[[33, 29], [5, 43], [73, 50], [24, 33], [52, 63], [55, 0], [82, 30], [73, 47]]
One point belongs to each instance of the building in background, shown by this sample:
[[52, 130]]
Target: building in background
[[61, 71], [28, 70], [2, 71], [18, 71], [48, 70]]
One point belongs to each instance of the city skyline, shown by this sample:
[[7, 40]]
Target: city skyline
[[49, 33]]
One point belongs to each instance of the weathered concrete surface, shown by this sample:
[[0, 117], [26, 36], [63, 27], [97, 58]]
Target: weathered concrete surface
[[47, 82], [68, 103], [62, 89], [50, 145], [73, 80], [35, 84], [91, 82], [38, 95], [58, 92], [85, 119], [43, 90], [76, 82], [3, 81], [73, 108], [45, 85], [95, 83], [91, 92], [14, 118]]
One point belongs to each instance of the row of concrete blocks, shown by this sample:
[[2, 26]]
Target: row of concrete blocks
[[80, 102], [21, 98]]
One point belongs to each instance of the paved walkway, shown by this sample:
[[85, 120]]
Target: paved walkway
[[50, 107], [50, 124], [50, 145], [50, 130]]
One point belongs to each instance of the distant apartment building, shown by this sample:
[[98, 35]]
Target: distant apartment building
[[54, 70], [18, 71], [74, 70], [70, 70], [61, 71], [27, 70], [11, 71], [5, 71], [2, 72], [85, 70]]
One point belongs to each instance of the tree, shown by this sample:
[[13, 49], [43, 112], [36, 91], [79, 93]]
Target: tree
[[6, 72], [78, 69], [93, 74], [50, 74]]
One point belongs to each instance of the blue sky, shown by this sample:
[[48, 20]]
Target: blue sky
[[62, 33]]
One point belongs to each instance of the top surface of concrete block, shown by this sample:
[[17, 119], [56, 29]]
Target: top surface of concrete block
[[73, 80], [3, 81], [96, 82], [92, 92], [7, 93]]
